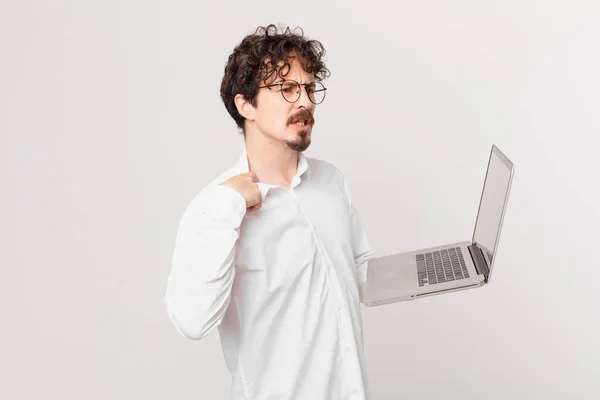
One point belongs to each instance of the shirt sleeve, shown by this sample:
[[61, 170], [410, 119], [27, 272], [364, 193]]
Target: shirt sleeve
[[361, 247], [199, 285]]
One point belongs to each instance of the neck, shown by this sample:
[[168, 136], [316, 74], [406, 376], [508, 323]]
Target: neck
[[272, 161]]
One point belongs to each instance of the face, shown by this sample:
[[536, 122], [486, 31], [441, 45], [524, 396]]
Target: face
[[279, 120]]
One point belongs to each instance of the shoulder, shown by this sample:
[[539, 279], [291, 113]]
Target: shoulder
[[324, 169], [327, 173], [220, 178], [329, 177], [212, 195]]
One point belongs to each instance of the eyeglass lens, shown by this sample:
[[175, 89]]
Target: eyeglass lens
[[291, 91]]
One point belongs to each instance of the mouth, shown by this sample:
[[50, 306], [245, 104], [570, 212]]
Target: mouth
[[302, 124], [302, 120]]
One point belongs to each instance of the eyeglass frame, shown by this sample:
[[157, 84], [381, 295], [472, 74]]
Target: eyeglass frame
[[280, 84]]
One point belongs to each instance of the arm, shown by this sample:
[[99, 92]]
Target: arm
[[360, 244], [202, 271]]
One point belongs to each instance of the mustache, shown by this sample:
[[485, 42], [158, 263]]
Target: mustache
[[301, 116]]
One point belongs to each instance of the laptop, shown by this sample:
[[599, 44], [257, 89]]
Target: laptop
[[451, 267]]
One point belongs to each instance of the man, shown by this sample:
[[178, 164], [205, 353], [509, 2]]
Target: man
[[272, 251]]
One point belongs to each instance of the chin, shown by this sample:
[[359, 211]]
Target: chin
[[300, 145], [300, 141]]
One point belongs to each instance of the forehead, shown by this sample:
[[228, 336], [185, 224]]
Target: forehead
[[293, 71]]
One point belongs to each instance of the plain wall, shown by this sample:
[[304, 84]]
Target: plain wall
[[111, 121]]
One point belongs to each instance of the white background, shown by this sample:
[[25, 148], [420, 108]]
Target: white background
[[111, 121]]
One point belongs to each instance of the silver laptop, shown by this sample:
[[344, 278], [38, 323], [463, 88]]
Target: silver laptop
[[452, 267]]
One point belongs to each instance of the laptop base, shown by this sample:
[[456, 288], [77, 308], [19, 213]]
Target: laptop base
[[405, 276]]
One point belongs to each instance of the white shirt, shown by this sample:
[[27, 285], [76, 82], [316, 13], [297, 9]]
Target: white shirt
[[283, 284]]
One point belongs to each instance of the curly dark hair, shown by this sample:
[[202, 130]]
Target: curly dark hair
[[258, 56]]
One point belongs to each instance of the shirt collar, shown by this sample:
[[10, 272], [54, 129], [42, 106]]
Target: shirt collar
[[242, 165]]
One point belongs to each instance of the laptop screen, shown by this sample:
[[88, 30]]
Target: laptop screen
[[493, 199]]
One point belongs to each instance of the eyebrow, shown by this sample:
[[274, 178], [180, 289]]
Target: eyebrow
[[283, 80]]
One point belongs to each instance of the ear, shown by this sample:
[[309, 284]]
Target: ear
[[244, 107]]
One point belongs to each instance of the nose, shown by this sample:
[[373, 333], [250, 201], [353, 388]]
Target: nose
[[304, 101]]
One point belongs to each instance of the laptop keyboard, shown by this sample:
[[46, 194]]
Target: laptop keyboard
[[441, 266]]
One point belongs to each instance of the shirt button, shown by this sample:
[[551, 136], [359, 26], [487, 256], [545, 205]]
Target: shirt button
[[347, 348]]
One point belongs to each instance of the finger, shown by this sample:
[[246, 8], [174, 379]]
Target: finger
[[255, 207]]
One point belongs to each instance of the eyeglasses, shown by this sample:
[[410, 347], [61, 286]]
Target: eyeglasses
[[290, 90]]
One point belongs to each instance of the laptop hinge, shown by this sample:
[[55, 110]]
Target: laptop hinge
[[479, 261]]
